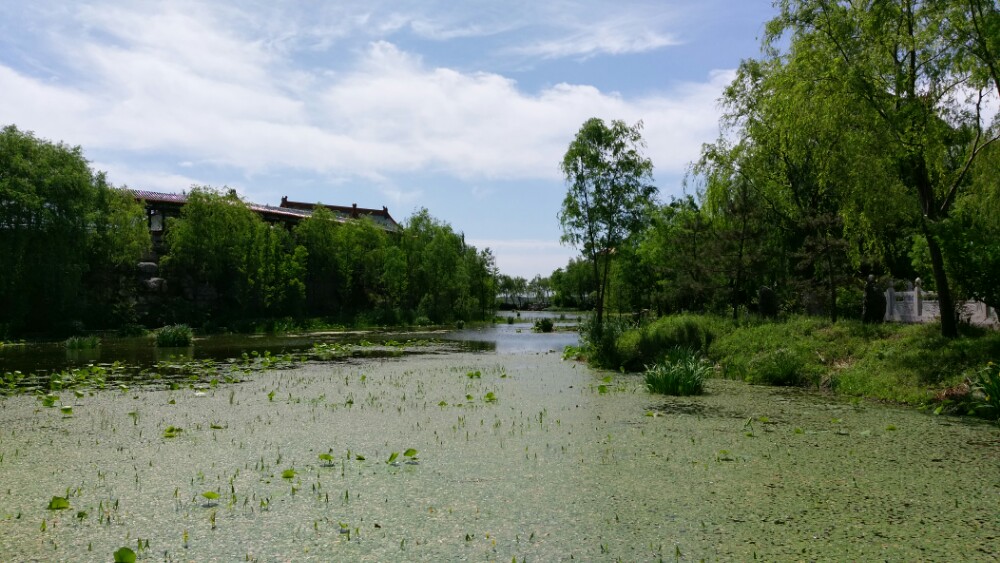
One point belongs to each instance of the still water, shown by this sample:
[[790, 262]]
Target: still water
[[139, 352]]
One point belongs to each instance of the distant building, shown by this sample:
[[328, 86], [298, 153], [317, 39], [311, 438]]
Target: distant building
[[381, 217], [160, 206]]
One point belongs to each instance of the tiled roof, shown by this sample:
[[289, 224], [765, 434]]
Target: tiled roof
[[379, 216], [159, 196], [287, 209]]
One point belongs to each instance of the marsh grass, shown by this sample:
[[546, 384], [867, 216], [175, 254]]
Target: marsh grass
[[683, 372], [82, 342], [174, 336]]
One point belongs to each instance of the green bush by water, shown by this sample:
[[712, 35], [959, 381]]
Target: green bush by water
[[82, 342], [543, 325], [896, 362], [683, 372], [649, 344], [174, 336]]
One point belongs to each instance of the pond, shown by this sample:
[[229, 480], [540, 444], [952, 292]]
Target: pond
[[487, 455], [139, 352]]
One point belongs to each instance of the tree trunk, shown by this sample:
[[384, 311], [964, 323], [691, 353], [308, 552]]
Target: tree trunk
[[949, 324], [599, 306]]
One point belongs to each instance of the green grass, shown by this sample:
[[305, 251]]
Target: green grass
[[895, 362], [174, 336], [892, 362]]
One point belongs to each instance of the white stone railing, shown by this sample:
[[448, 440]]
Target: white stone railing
[[919, 306]]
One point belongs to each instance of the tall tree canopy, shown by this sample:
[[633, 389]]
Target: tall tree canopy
[[69, 242], [610, 194], [918, 74]]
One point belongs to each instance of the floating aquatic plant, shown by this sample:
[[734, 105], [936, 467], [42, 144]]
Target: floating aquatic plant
[[58, 503], [126, 555]]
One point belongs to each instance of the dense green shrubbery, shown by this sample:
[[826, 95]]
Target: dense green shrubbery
[[649, 344], [905, 363], [174, 336], [782, 367], [682, 372], [601, 340]]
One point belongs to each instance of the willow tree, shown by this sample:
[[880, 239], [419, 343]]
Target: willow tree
[[609, 197], [922, 71]]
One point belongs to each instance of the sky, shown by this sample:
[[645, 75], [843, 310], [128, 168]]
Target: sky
[[464, 108]]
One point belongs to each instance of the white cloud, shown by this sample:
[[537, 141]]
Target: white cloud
[[143, 179], [600, 40], [179, 81]]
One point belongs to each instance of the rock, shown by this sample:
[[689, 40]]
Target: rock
[[155, 285], [149, 268]]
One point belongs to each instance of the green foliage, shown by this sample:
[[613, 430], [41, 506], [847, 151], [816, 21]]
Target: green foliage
[[601, 340], [609, 196], [69, 242], [544, 324], [649, 344], [427, 275], [58, 503], [782, 367], [229, 263], [988, 383], [574, 285], [82, 342], [125, 555], [682, 372], [174, 336], [903, 363]]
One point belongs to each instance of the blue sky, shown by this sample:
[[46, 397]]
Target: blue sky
[[464, 108]]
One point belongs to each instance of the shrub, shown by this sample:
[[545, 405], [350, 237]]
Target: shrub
[[82, 342], [683, 373], [422, 321], [460, 324], [510, 320], [989, 385], [650, 344], [783, 367], [543, 325], [601, 340], [174, 336]]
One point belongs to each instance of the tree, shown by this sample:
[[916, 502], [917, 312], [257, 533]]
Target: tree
[[609, 197], [318, 234], [920, 71], [68, 240], [680, 248]]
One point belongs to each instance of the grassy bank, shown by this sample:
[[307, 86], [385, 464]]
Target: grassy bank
[[909, 364]]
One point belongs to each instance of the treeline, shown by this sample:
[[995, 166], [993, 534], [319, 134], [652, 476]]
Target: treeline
[[860, 144], [225, 264], [70, 245]]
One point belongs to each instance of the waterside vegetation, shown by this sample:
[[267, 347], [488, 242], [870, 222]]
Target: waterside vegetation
[[71, 245], [911, 364]]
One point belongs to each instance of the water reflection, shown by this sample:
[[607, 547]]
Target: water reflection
[[513, 336]]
